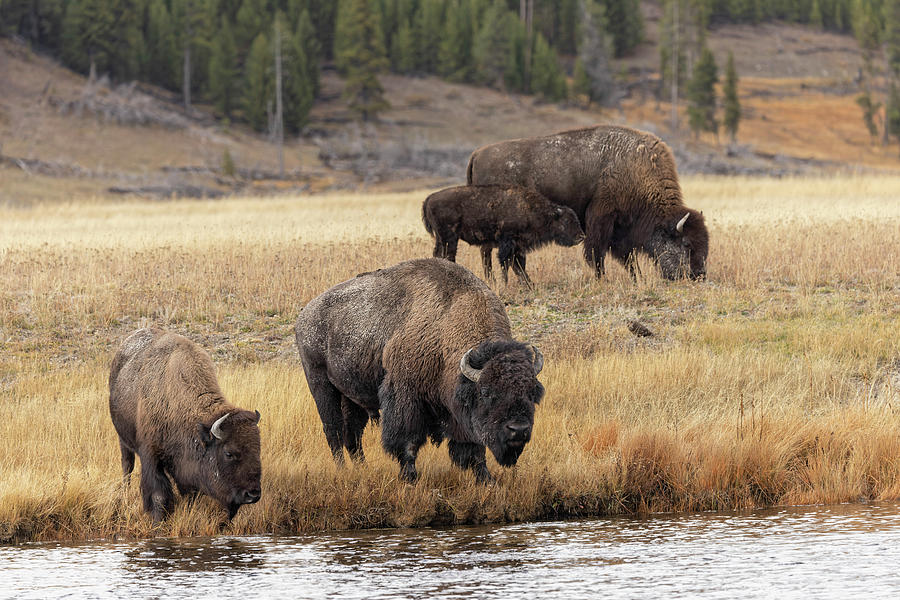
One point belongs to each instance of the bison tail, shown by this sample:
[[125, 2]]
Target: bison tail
[[469, 169], [425, 219]]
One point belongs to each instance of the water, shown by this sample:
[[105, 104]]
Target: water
[[807, 552]]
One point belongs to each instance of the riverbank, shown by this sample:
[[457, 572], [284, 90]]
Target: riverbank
[[776, 381]]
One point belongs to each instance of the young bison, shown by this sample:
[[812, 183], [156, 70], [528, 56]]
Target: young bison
[[167, 407], [513, 219]]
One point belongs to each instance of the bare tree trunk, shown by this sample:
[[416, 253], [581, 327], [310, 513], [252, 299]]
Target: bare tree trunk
[[186, 83], [675, 56], [279, 112]]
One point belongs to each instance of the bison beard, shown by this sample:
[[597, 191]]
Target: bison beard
[[426, 345], [622, 184]]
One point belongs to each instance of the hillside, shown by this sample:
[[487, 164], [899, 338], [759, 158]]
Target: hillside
[[61, 135]]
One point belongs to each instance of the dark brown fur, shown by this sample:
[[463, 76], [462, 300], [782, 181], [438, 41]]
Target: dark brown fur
[[389, 344], [514, 219], [163, 399], [622, 184]]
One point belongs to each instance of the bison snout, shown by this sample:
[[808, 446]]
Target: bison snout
[[251, 496], [517, 432]]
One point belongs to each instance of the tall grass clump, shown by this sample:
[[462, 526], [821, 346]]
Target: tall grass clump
[[776, 381]]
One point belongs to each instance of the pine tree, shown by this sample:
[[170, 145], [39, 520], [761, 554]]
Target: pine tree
[[249, 23], [701, 94], [223, 76], [312, 50], [494, 45], [363, 58], [594, 51], [455, 50], [103, 36], [547, 79], [581, 83], [628, 31], [298, 86], [161, 52], [193, 26], [403, 56], [732, 104], [258, 83]]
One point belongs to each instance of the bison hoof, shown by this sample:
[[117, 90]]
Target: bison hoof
[[408, 474]]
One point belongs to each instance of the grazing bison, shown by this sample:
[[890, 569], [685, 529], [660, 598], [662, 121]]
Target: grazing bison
[[167, 407], [620, 182], [513, 219], [426, 346]]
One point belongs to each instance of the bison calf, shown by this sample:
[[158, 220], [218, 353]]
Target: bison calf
[[513, 219], [426, 346], [167, 407]]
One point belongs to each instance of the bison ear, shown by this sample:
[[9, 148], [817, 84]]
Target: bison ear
[[206, 435]]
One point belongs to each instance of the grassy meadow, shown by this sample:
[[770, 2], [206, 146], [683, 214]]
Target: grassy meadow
[[776, 381]]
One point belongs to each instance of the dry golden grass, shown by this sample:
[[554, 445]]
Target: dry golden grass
[[776, 381]]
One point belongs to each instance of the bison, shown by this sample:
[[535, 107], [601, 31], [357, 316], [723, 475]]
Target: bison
[[167, 407], [513, 219], [426, 347], [621, 183]]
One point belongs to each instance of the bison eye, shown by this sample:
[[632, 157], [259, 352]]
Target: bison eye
[[229, 455]]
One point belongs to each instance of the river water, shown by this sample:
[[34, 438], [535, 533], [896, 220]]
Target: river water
[[846, 551]]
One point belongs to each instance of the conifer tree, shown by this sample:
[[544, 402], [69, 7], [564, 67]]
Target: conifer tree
[[258, 83], [250, 21], [594, 50], [103, 36], [363, 57], [494, 46], [298, 86], [455, 50], [223, 77], [547, 79], [403, 54], [732, 104], [161, 53], [701, 93], [581, 83], [312, 50]]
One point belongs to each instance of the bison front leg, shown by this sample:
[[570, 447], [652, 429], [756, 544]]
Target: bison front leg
[[518, 266], [470, 456], [403, 429], [598, 232], [156, 489]]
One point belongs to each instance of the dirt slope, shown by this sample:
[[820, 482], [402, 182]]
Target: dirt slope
[[61, 135]]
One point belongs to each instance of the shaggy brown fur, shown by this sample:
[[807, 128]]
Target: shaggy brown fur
[[514, 219], [164, 400], [621, 183], [389, 344]]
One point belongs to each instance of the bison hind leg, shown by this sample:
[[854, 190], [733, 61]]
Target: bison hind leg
[[470, 456], [127, 462], [355, 420], [486, 261]]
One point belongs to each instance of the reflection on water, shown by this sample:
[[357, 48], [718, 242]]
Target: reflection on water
[[834, 552]]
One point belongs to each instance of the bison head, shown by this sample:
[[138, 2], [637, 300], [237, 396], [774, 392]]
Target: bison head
[[680, 245], [498, 389], [231, 466], [565, 228]]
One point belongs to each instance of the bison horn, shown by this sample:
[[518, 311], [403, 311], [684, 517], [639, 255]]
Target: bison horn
[[468, 370], [680, 227], [216, 428], [538, 360]]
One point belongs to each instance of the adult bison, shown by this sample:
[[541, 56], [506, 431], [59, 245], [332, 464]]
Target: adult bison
[[515, 220], [621, 183], [426, 346], [167, 407]]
